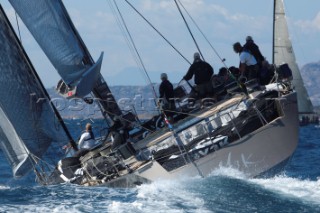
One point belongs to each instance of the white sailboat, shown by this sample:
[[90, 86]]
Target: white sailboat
[[283, 53]]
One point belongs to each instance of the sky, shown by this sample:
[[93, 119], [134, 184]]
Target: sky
[[223, 22]]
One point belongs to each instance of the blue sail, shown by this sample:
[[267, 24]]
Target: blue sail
[[28, 122], [50, 25]]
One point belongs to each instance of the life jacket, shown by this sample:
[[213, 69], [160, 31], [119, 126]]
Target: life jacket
[[91, 136]]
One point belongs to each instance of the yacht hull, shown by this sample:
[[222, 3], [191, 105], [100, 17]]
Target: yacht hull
[[265, 151]]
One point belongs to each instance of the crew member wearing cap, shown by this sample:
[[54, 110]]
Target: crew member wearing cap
[[202, 72], [166, 96]]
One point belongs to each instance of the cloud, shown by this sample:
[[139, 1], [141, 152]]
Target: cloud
[[223, 27], [316, 21], [169, 5], [98, 28], [310, 26]]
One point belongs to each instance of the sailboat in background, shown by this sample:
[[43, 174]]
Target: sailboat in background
[[283, 53]]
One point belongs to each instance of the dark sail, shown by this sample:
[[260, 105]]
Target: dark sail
[[50, 24], [28, 122]]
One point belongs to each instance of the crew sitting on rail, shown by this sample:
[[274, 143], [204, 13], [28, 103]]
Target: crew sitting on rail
[[86, 142]]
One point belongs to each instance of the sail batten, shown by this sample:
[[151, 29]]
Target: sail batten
[[283, 53]]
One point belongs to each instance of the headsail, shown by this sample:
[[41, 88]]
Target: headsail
[[27, 119], [283, 53], [50, 25], [15, 150]]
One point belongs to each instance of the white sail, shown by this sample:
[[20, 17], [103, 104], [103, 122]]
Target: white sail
[[28, 122], [13, 148], [283, 53]]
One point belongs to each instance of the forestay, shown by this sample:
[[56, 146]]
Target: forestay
[[27, 120]]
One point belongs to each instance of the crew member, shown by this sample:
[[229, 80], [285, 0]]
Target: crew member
[[166, 96], [248, 64], [202, 72], [253, 48], [86, 141]]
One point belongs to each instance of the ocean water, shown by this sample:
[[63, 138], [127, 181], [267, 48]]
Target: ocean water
[[226, 190]]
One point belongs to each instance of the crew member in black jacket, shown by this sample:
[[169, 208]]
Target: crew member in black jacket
[[253, 48], [202, 72], [166, 96]]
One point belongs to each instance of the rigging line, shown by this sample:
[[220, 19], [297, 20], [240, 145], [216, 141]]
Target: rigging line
[[132, 122], [125, 35], [205, 37], [185, 21], [41, 160], [18, 26], [158, 32], [241, 86], [179, 142], [213, 109], [136, 50]]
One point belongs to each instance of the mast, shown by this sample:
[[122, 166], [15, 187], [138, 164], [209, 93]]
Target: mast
[[283, 53], [273, 31]]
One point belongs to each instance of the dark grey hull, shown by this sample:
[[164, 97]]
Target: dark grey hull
[[263, 152]]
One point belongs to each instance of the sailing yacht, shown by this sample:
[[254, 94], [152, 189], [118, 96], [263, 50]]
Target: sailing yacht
[[246, 129]]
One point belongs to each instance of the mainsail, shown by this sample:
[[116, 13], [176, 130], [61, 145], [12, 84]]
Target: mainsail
[[50, 24], [283, 53], [28, 123]]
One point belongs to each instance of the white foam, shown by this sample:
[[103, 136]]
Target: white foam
[[4, 187], [307, 190], [42, 208], [162, 196], [228, 172], [304, 189]]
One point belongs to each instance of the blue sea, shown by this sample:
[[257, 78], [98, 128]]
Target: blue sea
[[226, 190]]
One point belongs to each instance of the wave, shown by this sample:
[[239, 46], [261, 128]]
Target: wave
[[163, 196], [4, 187], [307, 190], [304, 189], [225, 190]]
